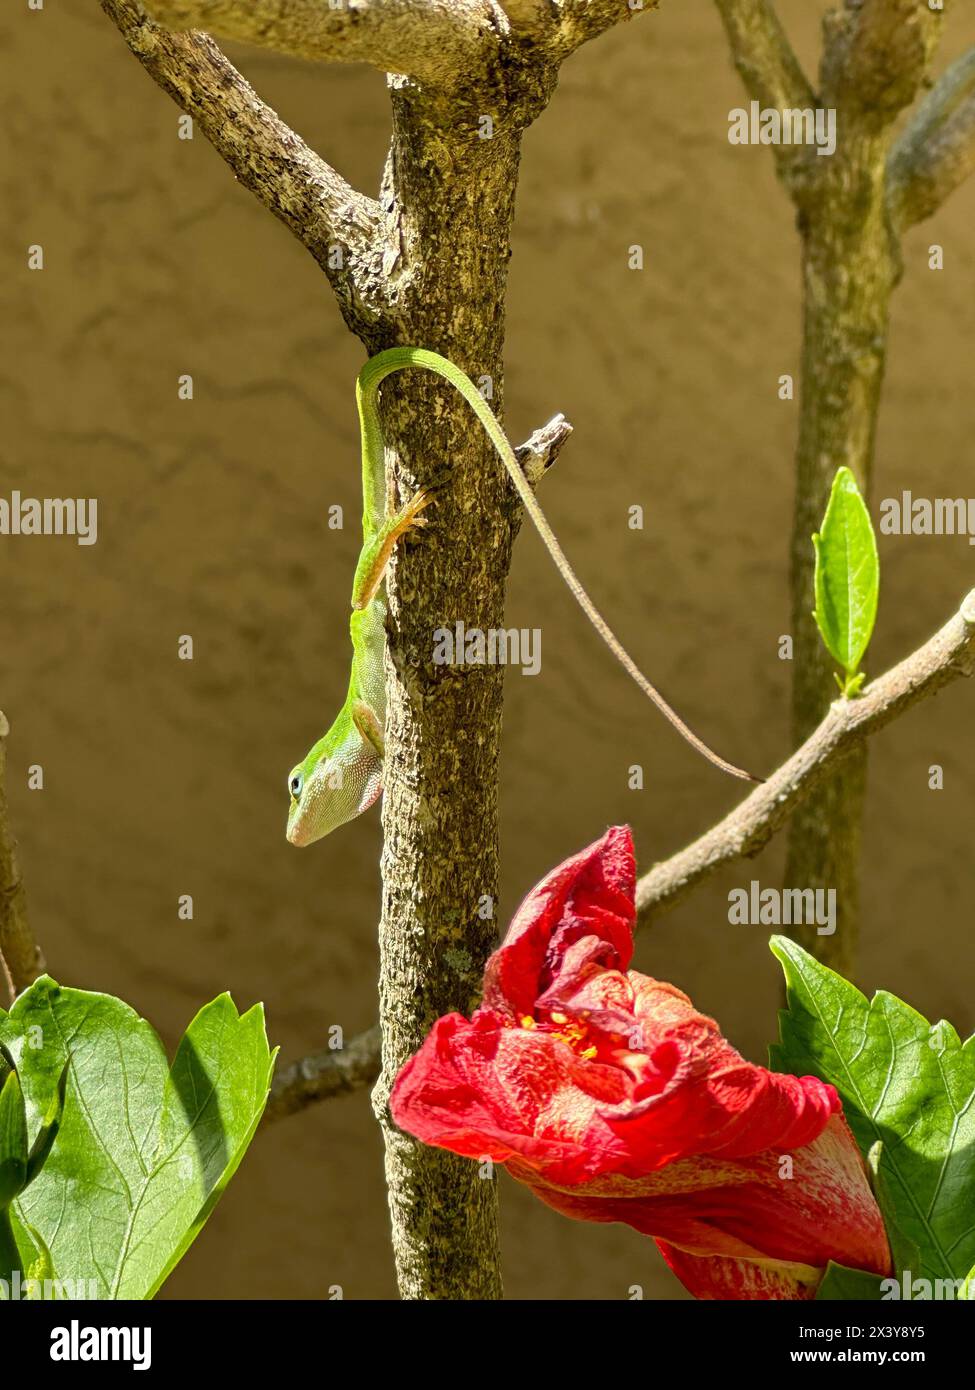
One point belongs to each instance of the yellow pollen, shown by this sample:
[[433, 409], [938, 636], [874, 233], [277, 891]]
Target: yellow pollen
[[572, 1034], [571, 1031]]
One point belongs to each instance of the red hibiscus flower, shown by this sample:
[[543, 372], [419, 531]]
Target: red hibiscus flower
[[613, 1099]]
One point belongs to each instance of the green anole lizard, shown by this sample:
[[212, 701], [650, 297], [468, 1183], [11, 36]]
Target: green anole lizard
[[341, 776]]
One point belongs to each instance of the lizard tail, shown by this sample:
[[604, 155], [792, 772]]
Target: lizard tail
[[395, 359]]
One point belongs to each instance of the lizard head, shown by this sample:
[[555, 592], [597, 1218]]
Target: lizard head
[[339, 779]]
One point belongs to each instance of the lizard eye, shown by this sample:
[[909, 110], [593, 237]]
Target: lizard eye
[[295, 783]]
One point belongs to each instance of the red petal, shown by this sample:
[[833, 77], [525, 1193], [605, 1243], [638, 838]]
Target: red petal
[[700, 1096], [713, 1214], [487, 1090], [711, 1277], [590, 895]]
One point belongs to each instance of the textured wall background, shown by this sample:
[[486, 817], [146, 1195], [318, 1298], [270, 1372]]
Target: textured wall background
[[166, 777]]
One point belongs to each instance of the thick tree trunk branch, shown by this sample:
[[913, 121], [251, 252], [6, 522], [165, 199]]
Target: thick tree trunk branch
[[936, 151], [436, 41], [440, 807], [19, 953], [325, 1074], [338, 225], [451, 199], [948, 655], [771, 73]]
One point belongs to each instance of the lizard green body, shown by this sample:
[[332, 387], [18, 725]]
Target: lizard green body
[[341, 776]]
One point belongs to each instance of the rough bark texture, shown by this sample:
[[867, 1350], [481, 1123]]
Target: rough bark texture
[[447, 186], [436, 40]]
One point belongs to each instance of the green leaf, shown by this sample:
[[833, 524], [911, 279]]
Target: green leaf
[[841, 1283], [48, 1132], [847, 577], [41, 1281], [36, 1260], [11, 1262], [13, 1141], [144, 1151], [901, 1081], [904, 1252]]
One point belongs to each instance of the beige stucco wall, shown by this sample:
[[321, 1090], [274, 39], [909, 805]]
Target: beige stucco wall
[[165, 777]]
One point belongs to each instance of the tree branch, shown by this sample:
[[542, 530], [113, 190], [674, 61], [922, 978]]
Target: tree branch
[[19, 952], [771, 72], [936, 151], [876, 55], [436, 41], [764, 59], [325, 213], [760, 47], [568, 23], [541, 449], [325, 1074], [949, 654]]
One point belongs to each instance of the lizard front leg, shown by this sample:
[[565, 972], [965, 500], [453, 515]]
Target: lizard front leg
[[366, 720], [374, 556]]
